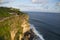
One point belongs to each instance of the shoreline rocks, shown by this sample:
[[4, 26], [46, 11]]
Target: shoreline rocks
[[29, 35]]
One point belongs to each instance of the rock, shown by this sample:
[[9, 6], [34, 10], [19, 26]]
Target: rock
[[29, 35], [13, 26]]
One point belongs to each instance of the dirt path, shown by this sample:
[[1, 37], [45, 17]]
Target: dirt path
[[3, 19]]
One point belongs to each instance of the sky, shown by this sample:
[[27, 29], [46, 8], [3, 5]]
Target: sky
[[33, 5]]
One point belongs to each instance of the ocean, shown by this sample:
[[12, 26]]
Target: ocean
[[46, 24]]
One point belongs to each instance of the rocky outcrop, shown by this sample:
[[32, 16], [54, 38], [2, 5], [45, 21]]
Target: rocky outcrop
[[14, 26], [29, 35], [20, 24]]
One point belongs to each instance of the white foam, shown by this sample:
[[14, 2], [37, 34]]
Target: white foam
[[36, 32]]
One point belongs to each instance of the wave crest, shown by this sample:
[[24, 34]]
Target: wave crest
[[37, 33]]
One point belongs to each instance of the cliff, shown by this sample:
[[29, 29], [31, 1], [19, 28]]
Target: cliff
[[13, 24]]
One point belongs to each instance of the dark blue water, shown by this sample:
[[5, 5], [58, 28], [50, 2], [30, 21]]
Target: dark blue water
[[47, 24]]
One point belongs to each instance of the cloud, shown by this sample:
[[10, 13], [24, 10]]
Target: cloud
[[5, 1], [58, 4], [40, 1], [1, 1]]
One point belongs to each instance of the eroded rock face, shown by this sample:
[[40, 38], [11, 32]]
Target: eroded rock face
[[23, 26], [18, 26], [13, 26], [29, 35]]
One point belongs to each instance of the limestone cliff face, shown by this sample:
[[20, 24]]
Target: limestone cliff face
[[14, 27], [18, 26]]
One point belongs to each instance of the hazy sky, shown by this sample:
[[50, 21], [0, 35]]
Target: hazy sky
[[33, 5]]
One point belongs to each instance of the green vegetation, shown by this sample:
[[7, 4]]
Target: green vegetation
[[5, 26], [4, 30], [4, 12]]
